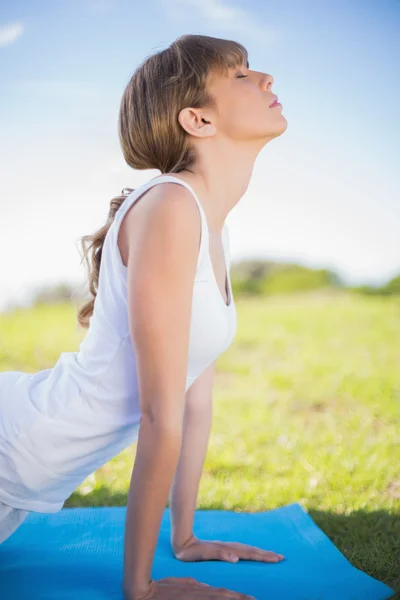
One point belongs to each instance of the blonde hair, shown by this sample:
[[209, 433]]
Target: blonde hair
[[150, 134]]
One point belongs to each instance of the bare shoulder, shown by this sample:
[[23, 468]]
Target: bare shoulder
[[165, 205]]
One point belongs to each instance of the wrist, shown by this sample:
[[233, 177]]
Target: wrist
[[138, 591], [179, 544]]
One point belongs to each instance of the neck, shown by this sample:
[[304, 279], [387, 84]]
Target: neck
[[221, 176]]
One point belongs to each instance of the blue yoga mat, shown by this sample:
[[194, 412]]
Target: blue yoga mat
[[77, 554]]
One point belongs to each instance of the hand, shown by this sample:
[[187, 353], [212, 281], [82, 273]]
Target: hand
[[183, 588], [195, 549]]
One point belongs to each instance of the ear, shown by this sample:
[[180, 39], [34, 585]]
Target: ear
[[195, 122]]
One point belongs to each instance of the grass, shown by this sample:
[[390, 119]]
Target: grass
[[306, 409]]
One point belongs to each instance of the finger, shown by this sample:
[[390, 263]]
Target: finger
[[251, 550], [217, 593], [269, 556], [254, 553], [247, 552], [182, 581], [261, 556], [193, 580]]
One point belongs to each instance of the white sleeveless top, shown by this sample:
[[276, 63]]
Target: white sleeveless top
[[60, 424]]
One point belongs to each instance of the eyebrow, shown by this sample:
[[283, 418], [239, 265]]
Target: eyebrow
[[246, 64]]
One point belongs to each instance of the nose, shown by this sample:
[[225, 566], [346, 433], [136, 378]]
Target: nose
[[268, 81]]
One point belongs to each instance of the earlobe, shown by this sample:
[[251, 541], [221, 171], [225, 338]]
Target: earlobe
[[188, 119]]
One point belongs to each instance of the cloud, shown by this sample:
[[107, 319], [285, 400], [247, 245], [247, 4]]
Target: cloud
[[214, 10], [224, 15], [10, 33]]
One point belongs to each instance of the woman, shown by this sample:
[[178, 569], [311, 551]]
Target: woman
[[161, 313]]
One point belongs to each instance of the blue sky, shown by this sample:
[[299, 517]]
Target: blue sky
[[324, 194]]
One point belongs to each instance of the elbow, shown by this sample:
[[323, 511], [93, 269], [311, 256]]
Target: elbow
[[161, 424]]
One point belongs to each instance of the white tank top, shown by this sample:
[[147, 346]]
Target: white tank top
[[59, 425]]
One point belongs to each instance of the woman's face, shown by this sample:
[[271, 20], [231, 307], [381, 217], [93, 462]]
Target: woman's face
[[242, 110]]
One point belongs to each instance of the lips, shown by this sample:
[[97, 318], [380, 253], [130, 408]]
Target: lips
[[275, 101]]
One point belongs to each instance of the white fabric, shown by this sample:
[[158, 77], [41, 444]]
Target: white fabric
[[10, 519], [60, 424]]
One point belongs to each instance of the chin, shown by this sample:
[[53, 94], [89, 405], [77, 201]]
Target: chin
[[281, 126]]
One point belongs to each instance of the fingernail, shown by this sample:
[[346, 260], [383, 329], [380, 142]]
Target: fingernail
[[233, 557]]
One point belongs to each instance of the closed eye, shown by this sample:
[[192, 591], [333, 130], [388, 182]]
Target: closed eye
[[241, 76]]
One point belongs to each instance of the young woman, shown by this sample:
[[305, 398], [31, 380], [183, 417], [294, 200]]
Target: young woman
[[161, 313]]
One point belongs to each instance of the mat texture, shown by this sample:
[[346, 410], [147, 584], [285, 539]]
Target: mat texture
[[77, 553]]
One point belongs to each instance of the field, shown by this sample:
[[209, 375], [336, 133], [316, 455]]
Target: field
[[306, 409]]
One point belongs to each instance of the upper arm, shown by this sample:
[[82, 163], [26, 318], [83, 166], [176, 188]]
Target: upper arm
[[162, 260]]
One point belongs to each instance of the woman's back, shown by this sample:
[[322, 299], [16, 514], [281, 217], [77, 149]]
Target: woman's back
[[61, 424]]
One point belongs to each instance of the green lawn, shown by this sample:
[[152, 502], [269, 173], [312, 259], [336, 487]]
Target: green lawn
[[307, 409]]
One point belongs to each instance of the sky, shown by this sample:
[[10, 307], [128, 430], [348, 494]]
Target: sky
[[324, 194]]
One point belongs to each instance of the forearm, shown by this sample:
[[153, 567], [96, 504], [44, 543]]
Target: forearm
[[157, 455], [184, 490]]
